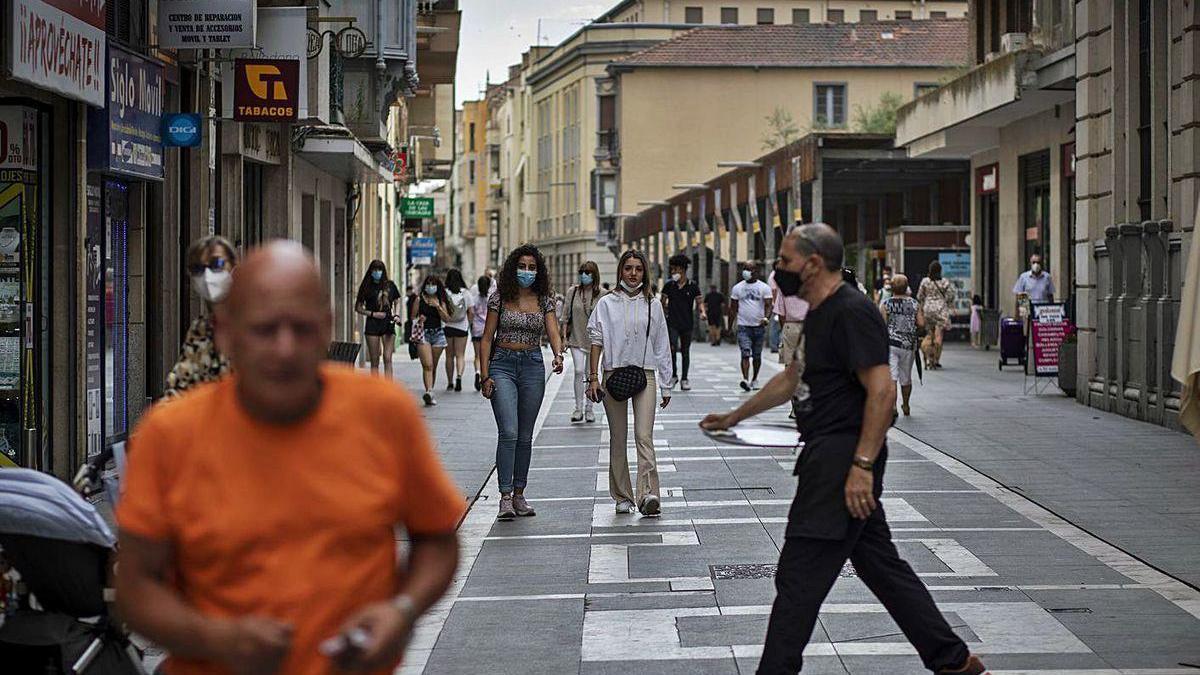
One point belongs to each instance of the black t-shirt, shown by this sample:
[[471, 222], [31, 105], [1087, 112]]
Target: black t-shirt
[[680, 301], [433, 318], [843, 335], [380, 298], [714, 303]]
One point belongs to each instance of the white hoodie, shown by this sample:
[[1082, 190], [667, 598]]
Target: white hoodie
[[618, 324]]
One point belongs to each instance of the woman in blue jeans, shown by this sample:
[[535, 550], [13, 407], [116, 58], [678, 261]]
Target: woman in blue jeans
[[520, 313]]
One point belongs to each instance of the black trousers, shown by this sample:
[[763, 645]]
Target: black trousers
[[807, 571], [681, 343]]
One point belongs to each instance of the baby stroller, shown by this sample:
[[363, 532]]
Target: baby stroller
[[61, 547]]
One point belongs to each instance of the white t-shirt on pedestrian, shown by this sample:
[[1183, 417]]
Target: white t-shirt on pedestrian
[[751, 297]]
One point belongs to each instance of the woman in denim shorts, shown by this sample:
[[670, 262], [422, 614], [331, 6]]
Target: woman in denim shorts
[[432, 312]]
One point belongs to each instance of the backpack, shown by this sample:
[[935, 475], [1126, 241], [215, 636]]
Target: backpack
[[458, 308]]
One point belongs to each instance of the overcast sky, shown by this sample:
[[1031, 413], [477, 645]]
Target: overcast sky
[[496, 32]]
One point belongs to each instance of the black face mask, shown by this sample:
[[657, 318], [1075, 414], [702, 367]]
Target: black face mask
[[789, 283]]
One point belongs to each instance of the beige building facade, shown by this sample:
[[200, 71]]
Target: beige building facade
[[779, 11]]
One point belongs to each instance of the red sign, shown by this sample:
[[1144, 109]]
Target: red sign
[[266, 90], [1049, 327], [400, 169], [987, 179], [88, 11]]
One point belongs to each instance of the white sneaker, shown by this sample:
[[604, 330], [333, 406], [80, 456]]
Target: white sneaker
[[577, 416], [651, 506], [685, 386], [429, 399], [754, 384], [674, 381], [624, 506], [589, 416]]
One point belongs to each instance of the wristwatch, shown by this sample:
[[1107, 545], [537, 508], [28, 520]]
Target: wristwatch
[[863, 463]]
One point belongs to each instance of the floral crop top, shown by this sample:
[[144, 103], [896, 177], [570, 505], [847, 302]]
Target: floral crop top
[[522, 328]]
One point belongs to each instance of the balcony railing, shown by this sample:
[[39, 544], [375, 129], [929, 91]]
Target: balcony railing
[[608, 147]]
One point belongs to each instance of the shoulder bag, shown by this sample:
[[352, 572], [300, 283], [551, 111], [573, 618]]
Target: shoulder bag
[[628, 381]]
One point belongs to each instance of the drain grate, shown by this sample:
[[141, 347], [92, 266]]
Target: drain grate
[[742, 571], [1069, 610]]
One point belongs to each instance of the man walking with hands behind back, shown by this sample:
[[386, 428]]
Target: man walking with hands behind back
[[259, 515], [836, 514]]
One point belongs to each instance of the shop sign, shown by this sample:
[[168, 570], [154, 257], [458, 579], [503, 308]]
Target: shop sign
[[282, 36], [1049, 328], [416, 207], [206, 24], [265, 90], [58, 45], [181, 130], [422, 250], [956, 268], [987, 179], [262, 143], [126, 136], [18, 139]]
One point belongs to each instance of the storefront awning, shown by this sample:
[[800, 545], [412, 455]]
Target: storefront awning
[[345, 158]]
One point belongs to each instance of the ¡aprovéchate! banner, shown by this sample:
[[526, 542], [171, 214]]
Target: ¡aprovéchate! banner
[[59, 45], [1048, 329]]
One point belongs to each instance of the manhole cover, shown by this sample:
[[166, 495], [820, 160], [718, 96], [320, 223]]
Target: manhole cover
[[742, 571]]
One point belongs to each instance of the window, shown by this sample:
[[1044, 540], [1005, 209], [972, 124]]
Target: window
[[693, 15], [471, 172], [829, 105], [471, 138], [1144, 138], [836, 16], [937, 15], [868, 15], [729, 15], [922, 88], [903, 14], [799, 16], [1035, 194], [766, 16]]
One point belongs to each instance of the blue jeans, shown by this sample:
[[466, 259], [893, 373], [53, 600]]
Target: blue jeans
[[520, 382]]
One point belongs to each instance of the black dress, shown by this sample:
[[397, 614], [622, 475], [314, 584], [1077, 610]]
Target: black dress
[[380, 299]]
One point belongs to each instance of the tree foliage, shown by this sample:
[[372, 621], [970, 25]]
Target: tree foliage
[[781, 130], [878, 119]]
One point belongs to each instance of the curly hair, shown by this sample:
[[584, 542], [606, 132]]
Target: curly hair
[[509, 288], [680, 260]]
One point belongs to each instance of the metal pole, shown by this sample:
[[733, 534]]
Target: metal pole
[[702, 271], [755, 226], [662, 241], [772, 207], [691, 229], [718, 223], [677, 239], [734, 235]]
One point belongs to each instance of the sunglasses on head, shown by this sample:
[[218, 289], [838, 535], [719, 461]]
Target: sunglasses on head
[[216, 265]]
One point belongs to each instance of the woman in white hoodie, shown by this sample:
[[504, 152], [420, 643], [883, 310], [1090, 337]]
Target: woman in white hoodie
[[628, 329]]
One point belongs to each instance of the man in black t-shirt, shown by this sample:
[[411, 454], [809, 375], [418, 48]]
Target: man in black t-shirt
[[836, 514], [714, 304], [680, 296]]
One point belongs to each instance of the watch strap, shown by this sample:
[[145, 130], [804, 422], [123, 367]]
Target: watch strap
[[863, 463]]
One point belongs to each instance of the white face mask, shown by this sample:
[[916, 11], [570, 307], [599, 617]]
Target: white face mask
[[677, 277], [746, 275], [212, 286], [629, 287], [1036, 267]]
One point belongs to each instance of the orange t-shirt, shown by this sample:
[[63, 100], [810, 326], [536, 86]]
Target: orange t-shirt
[[294, 523]]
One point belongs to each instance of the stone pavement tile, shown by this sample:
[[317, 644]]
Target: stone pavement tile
[[1155, 653], [883, 665], [649, 600], [715, 631], [881, 628], [743, 592], [1038, 662], [813, 665], [487, 637], [690, 667], [1127, 603]]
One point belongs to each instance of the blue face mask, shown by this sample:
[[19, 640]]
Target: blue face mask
[[431, 289], [585, 279], [377, 274], [526, 277]]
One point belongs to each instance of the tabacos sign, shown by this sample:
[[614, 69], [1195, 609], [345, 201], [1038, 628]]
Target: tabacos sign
[[266, 90]]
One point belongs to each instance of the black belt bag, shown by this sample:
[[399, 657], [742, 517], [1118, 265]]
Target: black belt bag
[[628, 381]]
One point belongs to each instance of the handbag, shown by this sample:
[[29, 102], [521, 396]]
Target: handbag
[[628, 381]]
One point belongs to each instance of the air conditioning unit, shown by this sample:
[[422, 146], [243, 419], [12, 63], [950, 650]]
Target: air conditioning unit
[[1011, 42]]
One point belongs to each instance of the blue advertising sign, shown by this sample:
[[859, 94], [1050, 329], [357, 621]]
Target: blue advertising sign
[[956, 268], [181, 130], [422, 250], [125, 137]]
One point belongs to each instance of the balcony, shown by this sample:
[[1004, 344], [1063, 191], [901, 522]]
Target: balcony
[[608, 147]]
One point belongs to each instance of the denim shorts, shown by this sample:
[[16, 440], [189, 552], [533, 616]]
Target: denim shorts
[[750, 340], [434, 337]]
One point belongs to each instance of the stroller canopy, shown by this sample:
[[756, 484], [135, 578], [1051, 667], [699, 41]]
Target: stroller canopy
[[39, 505]]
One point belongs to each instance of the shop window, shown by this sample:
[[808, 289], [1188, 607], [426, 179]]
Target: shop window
[[829, 105], [903, 14], [835, 16], [1035, 194], [766, 16], [116, 311], [800, 16], [693, 15], [868, 15], [729, 15]]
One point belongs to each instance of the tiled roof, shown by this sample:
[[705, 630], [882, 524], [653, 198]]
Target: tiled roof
[[927, 42]]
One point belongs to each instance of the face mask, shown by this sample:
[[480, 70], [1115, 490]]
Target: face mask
[[585, 279], [377, 275], [677, 277], [212, 286], [431, 290], [526, 277], [630, 287], [789, 283], [1036, 267], [746, 275]]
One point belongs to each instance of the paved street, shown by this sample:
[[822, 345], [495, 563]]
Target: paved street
[[582, 589]]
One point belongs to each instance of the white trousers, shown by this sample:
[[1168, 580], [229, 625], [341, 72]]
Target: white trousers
[[580, 359]]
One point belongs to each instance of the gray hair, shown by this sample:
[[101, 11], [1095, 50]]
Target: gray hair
[[820, 239]]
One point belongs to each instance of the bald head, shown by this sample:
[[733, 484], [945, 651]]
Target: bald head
[[281, 267]]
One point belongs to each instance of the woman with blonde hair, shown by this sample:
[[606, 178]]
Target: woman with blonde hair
[[580, 302], [629, 340], [210, 262], [935, 298]]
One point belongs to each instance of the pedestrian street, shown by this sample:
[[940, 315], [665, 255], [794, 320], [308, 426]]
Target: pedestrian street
[[580, 588]]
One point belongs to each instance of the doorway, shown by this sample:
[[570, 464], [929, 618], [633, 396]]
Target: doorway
[[989, 227]]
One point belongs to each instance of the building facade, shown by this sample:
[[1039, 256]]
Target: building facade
[[779, 11], [1079, 119]]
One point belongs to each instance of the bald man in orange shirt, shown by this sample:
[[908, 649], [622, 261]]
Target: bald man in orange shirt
[[259, 520]]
